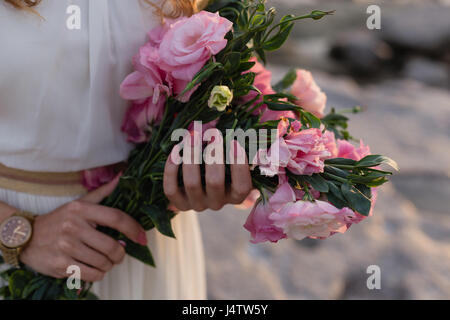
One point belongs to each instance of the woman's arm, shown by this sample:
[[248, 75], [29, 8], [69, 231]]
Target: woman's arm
[[6, 211], [68, 236]]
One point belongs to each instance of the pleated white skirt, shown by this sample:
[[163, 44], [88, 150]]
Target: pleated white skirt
[[180, 271]]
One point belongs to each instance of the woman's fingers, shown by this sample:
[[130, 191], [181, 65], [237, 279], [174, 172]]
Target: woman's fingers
[[192, 178], [103, 244], [81, 252], [193, 186], [214, 196], [102, 192], [87, 273], [215, 176], [241, 180], [114, 219], [170, 183]]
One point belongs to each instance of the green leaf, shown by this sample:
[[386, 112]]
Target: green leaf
[[39, 294], [357, 200], [335, 195], [317, 182], [203, 74], [233, 62], [139, 252], [340, 161], [370, 179], [258, 19], [18, 281], [245, 66], [287, 81], [376, 160], [312, 119], [281, 106], [275, 42], [70, 294], [337, 171], [262, 55], [160, 218], [335, 201], [32, 286], [55, 290]]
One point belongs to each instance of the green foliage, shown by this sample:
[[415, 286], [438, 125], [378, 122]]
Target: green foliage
[[287, 81], [140, 193], [350, 181]]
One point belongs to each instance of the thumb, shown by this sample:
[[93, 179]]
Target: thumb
[[102, 192]]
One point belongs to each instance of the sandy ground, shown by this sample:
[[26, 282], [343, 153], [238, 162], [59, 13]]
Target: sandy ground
[[409, 235]]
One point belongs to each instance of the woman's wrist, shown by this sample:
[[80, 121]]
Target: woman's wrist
[[6, 211]]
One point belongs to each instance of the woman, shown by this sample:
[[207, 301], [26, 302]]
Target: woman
[[60, 114]]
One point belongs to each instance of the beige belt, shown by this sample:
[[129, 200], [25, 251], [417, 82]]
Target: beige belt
[[42, 183]]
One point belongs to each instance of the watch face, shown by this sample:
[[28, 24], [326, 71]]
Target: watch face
[[15, 232]]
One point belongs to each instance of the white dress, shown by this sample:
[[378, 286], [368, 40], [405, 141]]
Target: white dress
[[60, 111]]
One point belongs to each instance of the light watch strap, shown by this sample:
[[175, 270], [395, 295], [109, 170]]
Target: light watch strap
[[11, 255]]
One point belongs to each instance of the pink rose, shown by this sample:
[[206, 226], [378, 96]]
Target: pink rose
[[95, 178], [317, 219], [310, 97], [190, 42], [140, 117]]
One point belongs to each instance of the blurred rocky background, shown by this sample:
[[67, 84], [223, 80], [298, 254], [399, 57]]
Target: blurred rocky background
[[400, 75]]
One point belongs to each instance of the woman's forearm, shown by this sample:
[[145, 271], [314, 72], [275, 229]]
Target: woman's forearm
[[6, 211]]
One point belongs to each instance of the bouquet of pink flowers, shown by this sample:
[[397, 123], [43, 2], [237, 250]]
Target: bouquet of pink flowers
[[199, 78]]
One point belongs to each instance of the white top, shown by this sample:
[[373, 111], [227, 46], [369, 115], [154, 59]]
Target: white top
[[60, 108]]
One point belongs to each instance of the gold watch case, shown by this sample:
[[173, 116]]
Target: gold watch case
[[15, 232]]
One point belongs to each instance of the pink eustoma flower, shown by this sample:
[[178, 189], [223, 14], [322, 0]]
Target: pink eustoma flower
[[95, 178], [317, 219], [189, 43], [310, 96], [258, 223], [140, 117]]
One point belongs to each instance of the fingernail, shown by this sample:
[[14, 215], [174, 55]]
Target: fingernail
[[122, 243], [142, 238]]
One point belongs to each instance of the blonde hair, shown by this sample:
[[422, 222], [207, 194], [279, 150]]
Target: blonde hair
[[25, 4], [167, 9]]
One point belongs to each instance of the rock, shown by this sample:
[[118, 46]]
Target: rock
[[428, 71], [413, 265], [361, 53], [423, 28], [428, 190], [408, 236]]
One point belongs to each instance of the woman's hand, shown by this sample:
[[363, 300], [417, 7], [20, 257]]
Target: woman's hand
[[215, 195], [68, 236]]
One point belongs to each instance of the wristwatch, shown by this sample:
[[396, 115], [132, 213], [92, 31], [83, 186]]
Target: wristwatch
[[15, 233]]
